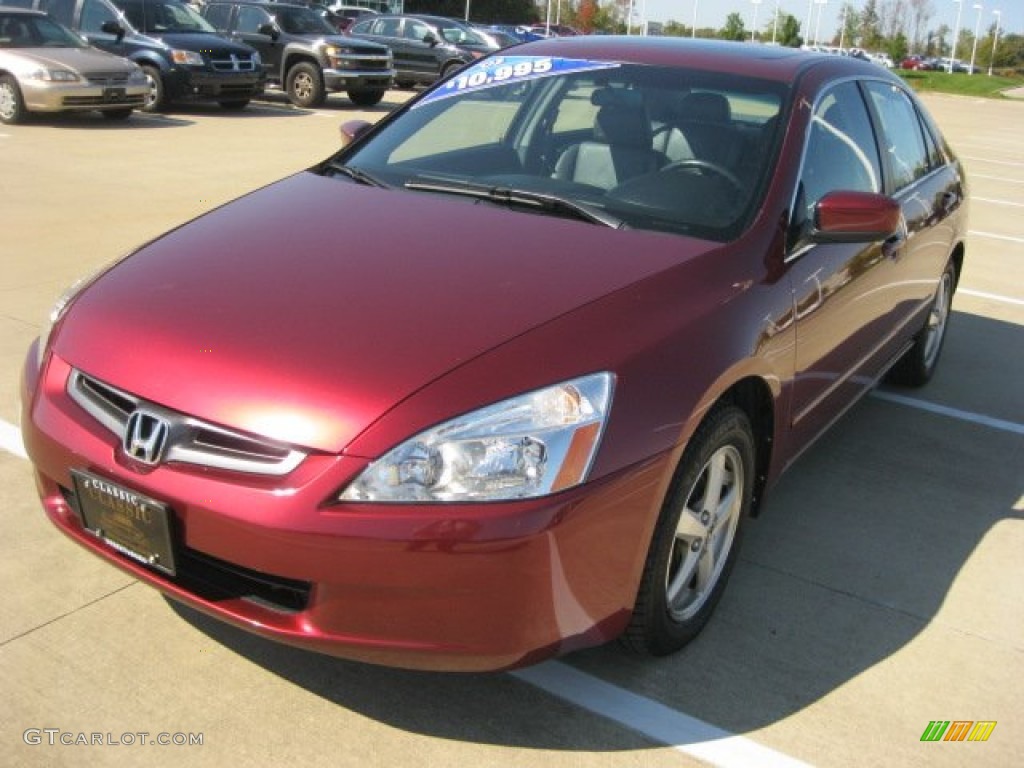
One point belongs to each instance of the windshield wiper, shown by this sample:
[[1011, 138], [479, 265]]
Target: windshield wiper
[[523, 197], [357, 174]]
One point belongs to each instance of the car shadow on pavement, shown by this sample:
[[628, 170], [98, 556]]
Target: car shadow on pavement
[[856, 552], [94, 121], [337, 101]]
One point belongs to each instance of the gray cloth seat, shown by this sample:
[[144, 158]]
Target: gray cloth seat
[[702, 130], [621, 148]]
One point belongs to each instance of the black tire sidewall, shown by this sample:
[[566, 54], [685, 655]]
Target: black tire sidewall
[[653, 629]]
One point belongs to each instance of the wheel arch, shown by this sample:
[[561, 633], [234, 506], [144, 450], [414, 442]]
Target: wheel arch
[[754, 397]]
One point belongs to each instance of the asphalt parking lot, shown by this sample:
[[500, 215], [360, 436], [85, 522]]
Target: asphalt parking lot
[[880, 590]]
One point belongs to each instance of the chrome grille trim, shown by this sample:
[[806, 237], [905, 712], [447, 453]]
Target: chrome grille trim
[[191, 441]]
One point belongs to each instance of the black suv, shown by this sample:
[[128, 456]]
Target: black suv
[[303, 53], [425, 47], [182, 56]]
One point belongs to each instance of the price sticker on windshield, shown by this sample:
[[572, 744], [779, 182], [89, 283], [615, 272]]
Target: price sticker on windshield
[[503, 70]]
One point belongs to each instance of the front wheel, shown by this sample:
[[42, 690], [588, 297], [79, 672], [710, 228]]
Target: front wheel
[[916, 367], [696, 539], [304, 86], [12, 106], [366, 97], [156, 99]]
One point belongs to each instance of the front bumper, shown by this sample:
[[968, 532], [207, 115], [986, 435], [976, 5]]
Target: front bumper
[[349, 79], [59, 96], [449, 587], [199, 85]]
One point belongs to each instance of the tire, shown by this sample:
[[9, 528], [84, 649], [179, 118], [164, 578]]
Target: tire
[[156, 99], [117, 114], [405, 84], [451, 67], [917, 366], [12, 105], [366, 97], [234, 105], [696, 540], [305, 86]]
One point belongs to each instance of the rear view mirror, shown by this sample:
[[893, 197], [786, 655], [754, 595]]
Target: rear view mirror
[[270, 30], [855, 217], [113, 28], [352, 130]]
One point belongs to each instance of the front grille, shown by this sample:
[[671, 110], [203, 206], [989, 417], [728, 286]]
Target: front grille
[[366, 61], [232, 62], [107, 78], [100, 101], [190, 441]]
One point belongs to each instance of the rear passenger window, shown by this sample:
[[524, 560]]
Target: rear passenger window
[[903, 138], [250, 19], [218, 15]]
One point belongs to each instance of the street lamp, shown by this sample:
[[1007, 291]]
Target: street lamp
[[775, 22], [817, 27], [753, 27], [807, 24], [977, 27], [956, 33], [842, 28], [995, 41], [693, 30]]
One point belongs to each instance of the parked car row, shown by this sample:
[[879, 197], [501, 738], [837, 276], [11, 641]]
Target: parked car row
[[227, 51]]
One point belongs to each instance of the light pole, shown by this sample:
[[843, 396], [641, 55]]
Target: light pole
[[977, 26], [817, 27], [693, 30], [956, 33], [753, 27], [842, 29], [995, 41], [807, 24], [775, 22]]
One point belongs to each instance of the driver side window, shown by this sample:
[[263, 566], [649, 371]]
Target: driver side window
[[94, 15], [841, 152]]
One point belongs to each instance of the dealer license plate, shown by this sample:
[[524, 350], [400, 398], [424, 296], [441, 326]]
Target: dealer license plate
[[133, 524]]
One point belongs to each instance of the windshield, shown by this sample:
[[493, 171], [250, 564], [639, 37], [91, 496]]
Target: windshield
[[459, 35], [165, 16], [658, 148], [303, 21], [28, 31]]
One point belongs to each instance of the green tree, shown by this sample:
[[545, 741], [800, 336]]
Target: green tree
[[734, 28], [849, 35], [870, 32], [898, 48], [789, 31]]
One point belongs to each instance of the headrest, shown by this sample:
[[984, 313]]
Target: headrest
[[706, 107]]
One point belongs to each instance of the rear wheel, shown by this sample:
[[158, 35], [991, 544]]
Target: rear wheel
[[696, 540], [916, 367], [304, 86], [12, 106], [366, 97]]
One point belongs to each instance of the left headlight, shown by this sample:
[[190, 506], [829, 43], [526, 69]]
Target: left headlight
[[531, 445], [54, 75], [191, 58]]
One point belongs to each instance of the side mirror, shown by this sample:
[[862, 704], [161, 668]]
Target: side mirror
[[113, 28], [855, 217], [352, 130], [270, 30], [430, 39]]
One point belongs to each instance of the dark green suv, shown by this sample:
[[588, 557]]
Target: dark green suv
[[304, 54]]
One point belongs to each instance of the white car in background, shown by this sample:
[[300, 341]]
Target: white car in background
[[882, 60], [45, 67]]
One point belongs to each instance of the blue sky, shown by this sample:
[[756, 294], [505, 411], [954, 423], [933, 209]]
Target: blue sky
[[712, 13]]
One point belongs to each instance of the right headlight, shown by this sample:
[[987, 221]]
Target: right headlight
[[531, 445]]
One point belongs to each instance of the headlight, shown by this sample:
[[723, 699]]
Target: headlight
[[54, 75], [186, 57], [531, 445]]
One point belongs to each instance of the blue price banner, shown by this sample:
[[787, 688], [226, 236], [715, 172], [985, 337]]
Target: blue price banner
[[502, 70]]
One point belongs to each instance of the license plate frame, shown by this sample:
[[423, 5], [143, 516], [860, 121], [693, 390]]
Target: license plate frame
[[114, 95], [132, 523]]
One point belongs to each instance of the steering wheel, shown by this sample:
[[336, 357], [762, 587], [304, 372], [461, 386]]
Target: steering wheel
[[706, 165]]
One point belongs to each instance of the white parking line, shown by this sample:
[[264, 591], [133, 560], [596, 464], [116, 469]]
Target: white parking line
[[997, 178], [991, 296], [656, 721], [955, 413], [992, 162], [993, 236], [996, 202], [10, 440]]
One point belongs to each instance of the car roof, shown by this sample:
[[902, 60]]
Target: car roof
[[753, 59], [20, 11]]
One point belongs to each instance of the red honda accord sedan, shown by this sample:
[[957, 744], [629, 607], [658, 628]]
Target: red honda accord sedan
[[508, 374]]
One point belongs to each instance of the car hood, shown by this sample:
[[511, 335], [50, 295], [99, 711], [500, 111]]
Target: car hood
[[77, 59], [356, 45], [305, 311]]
